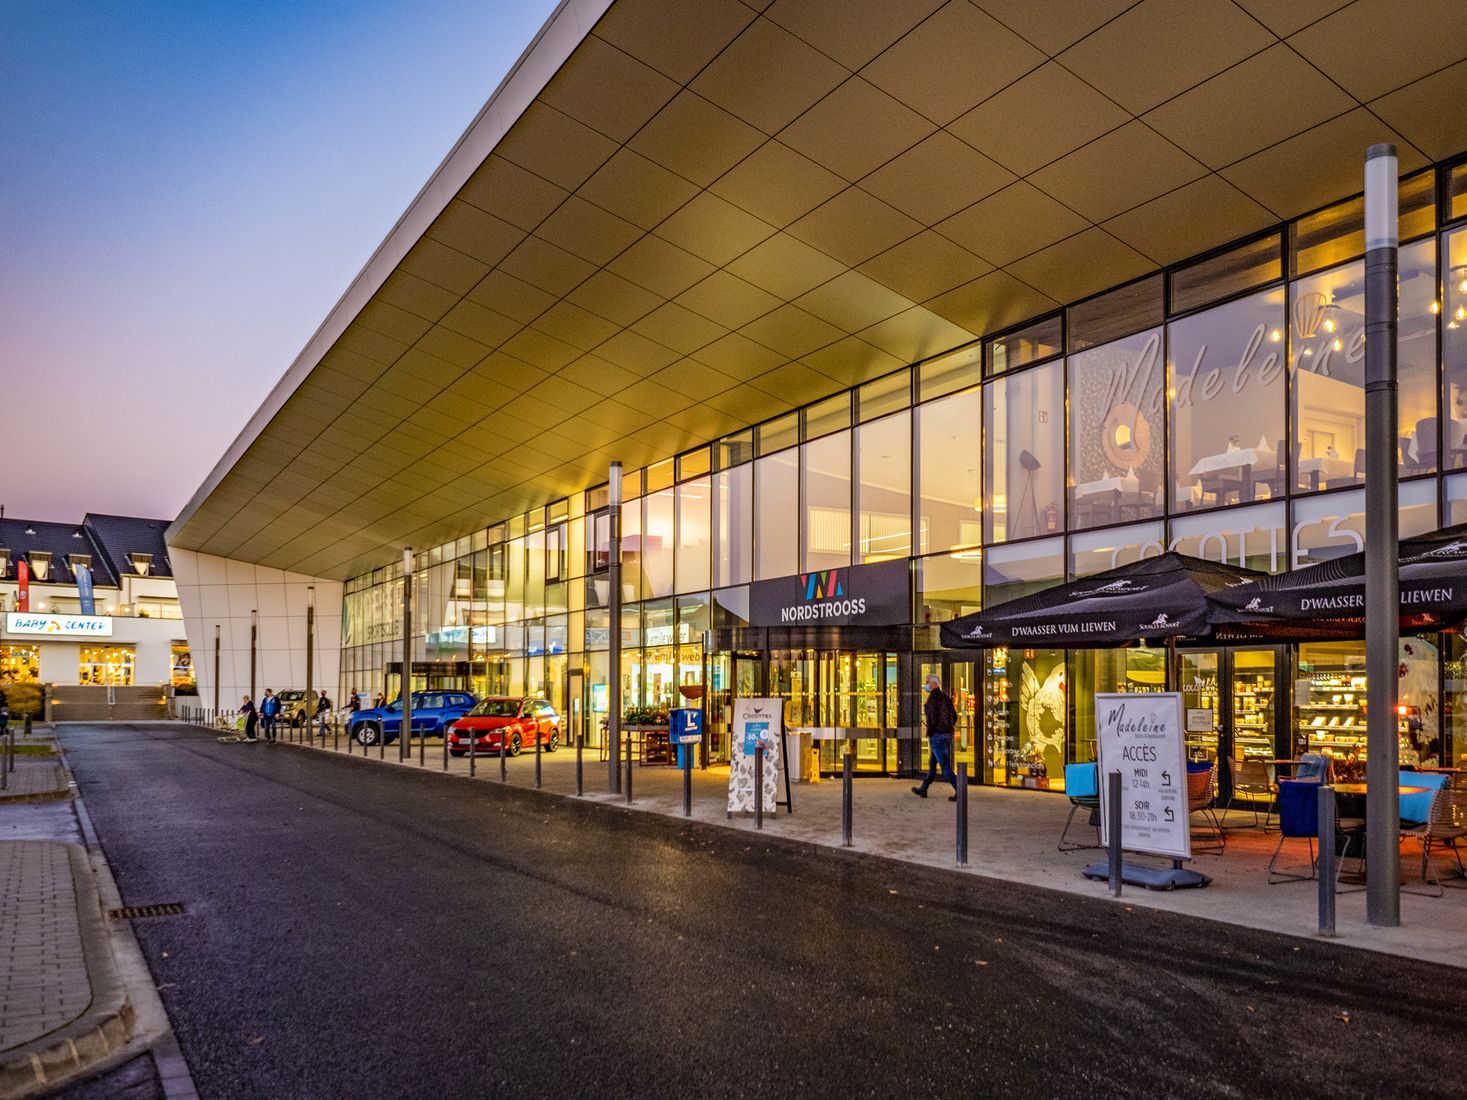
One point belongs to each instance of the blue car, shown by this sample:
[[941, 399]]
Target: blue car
[[433, 712]]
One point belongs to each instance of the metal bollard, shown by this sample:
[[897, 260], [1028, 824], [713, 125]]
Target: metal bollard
[[336, 735], [962, 815], [473, 744], [382, 742], [629, 770], [27, 725], [580, 775], [759, 786], [1328, 816], [537, 755], [687, 780], [445, 749], [1113, 827], [845, 798], [503, 770]]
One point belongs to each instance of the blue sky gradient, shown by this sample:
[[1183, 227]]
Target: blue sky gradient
[[186, 189]]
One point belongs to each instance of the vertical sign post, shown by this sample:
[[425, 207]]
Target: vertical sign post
[[405, 733], [613, 613], [1382, 582]]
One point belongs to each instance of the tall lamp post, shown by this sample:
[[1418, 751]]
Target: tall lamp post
[[613, 613], [310, 654], [1382, 581], [404, 748], [216, 669], [254, 647]]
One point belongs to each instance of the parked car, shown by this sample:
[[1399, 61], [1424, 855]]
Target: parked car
[[292, 707], [515, 721], [433, 711]]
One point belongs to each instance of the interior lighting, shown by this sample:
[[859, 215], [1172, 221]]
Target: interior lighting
[[1338, 346], [1462, 286], [1461, 313], [1275, 336], [1436, 307]]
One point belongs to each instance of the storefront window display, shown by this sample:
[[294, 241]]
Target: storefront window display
[[1117, 462], [20, 664], [1026, 718], [110, 665], [1130, 669], [1226, 380], [181, 674], [1330, 697]]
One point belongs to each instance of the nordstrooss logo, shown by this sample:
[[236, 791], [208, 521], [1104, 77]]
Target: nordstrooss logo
[[824, 595]]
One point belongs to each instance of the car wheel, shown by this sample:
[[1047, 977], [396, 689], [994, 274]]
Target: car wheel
[[367, 733], [514, 743], [553, 741]]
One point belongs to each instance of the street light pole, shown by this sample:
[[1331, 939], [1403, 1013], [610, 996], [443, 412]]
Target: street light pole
[[1382, 581], [216, 668], [613, 613], [310, 653], [254, 647], [404, 748]]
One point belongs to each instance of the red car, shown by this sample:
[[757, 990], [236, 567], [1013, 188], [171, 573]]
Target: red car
[[518, 722]]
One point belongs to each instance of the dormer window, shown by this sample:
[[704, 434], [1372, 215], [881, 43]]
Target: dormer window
[[4, 562], [40, 561], [73, 560], [142, 564]]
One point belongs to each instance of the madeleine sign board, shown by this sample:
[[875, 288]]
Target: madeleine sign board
[[1140, 735], [58, 626]]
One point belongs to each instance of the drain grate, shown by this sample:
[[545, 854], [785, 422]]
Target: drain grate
[[132, 912]]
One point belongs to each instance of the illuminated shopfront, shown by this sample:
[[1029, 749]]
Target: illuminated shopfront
[[20, 664], [110, 666], [1215, 408]]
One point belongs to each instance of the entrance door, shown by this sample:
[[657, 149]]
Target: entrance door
[[958, 680], [1229, 702], [1202, 706]]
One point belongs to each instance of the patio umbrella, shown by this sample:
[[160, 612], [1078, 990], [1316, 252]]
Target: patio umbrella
[[1154, 598], [1328, 600]]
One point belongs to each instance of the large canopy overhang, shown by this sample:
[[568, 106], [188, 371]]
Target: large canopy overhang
[[675, 218]]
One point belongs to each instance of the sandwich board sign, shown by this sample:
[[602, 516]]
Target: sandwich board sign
[[1139, 734], [755, 722]]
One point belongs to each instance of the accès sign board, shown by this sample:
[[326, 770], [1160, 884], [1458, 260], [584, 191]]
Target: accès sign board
[[756, 722], [62, 626], [1140, 735]]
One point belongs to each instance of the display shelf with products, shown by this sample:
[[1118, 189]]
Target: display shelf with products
[[1333, 721], [1253, 717]]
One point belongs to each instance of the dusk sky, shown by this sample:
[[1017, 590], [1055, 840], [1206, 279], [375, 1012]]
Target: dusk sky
[[186, 189]]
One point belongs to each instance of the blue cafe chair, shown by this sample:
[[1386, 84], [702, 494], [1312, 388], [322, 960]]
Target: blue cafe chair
[[1082, 785]]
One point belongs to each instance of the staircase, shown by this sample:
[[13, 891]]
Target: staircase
[[86, 703]]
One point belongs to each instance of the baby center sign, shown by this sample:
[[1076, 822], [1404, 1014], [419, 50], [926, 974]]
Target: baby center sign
[[1140, 736]]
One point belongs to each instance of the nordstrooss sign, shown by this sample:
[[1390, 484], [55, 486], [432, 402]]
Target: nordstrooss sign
[[860, 595]]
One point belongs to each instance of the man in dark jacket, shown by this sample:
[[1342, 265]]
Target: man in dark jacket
[[323, 711], [942, 717]]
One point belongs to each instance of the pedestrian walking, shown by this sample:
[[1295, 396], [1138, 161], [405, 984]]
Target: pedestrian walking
[[251, 717], [354, 703], [942, 718], [323, 711], [269, 715], [4, 713]]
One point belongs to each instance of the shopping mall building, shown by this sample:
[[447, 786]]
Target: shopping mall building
[[891, 311]]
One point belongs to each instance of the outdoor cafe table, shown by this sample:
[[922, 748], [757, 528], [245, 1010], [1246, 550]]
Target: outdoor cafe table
[[1356, 790]]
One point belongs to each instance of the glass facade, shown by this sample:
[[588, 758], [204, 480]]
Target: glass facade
[[1216, 408]]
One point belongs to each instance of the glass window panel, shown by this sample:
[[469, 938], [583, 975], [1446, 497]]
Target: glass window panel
[[735, 449], [733, 521], [884, 485], [1024, 416], [1456, 502], [730, 608], [1252, 537], [1333, 525], [825, 470], [694, 534], [778, 434], [632, 585], [1013, 571], [660, 476], [884, 395], [949, 585], [1421, 431], [1097, 551], [514, 588], [776, 514], [830, 415], [1117, 457], [1457, 191], [1327, 353], [1251, 264], [1454, 352], [1226, 381], [694, 463], [658, 547], [596, 499], [951, 372], [1337, 233], [1029, 344], [1117, 313], [950, 512]]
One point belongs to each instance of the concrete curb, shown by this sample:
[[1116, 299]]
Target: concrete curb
[[106, 1024]]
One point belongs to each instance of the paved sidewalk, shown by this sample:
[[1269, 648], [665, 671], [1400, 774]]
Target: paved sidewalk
[[1013, 836], [62, 1005], [36, 779]]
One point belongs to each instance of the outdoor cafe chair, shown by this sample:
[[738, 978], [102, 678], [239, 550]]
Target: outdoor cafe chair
[[1299, 820], [1082, 785], [1253, 784], [1446, 824], [1201, 799]]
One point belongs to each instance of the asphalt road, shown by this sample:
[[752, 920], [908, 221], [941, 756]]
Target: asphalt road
[[357, 930]]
